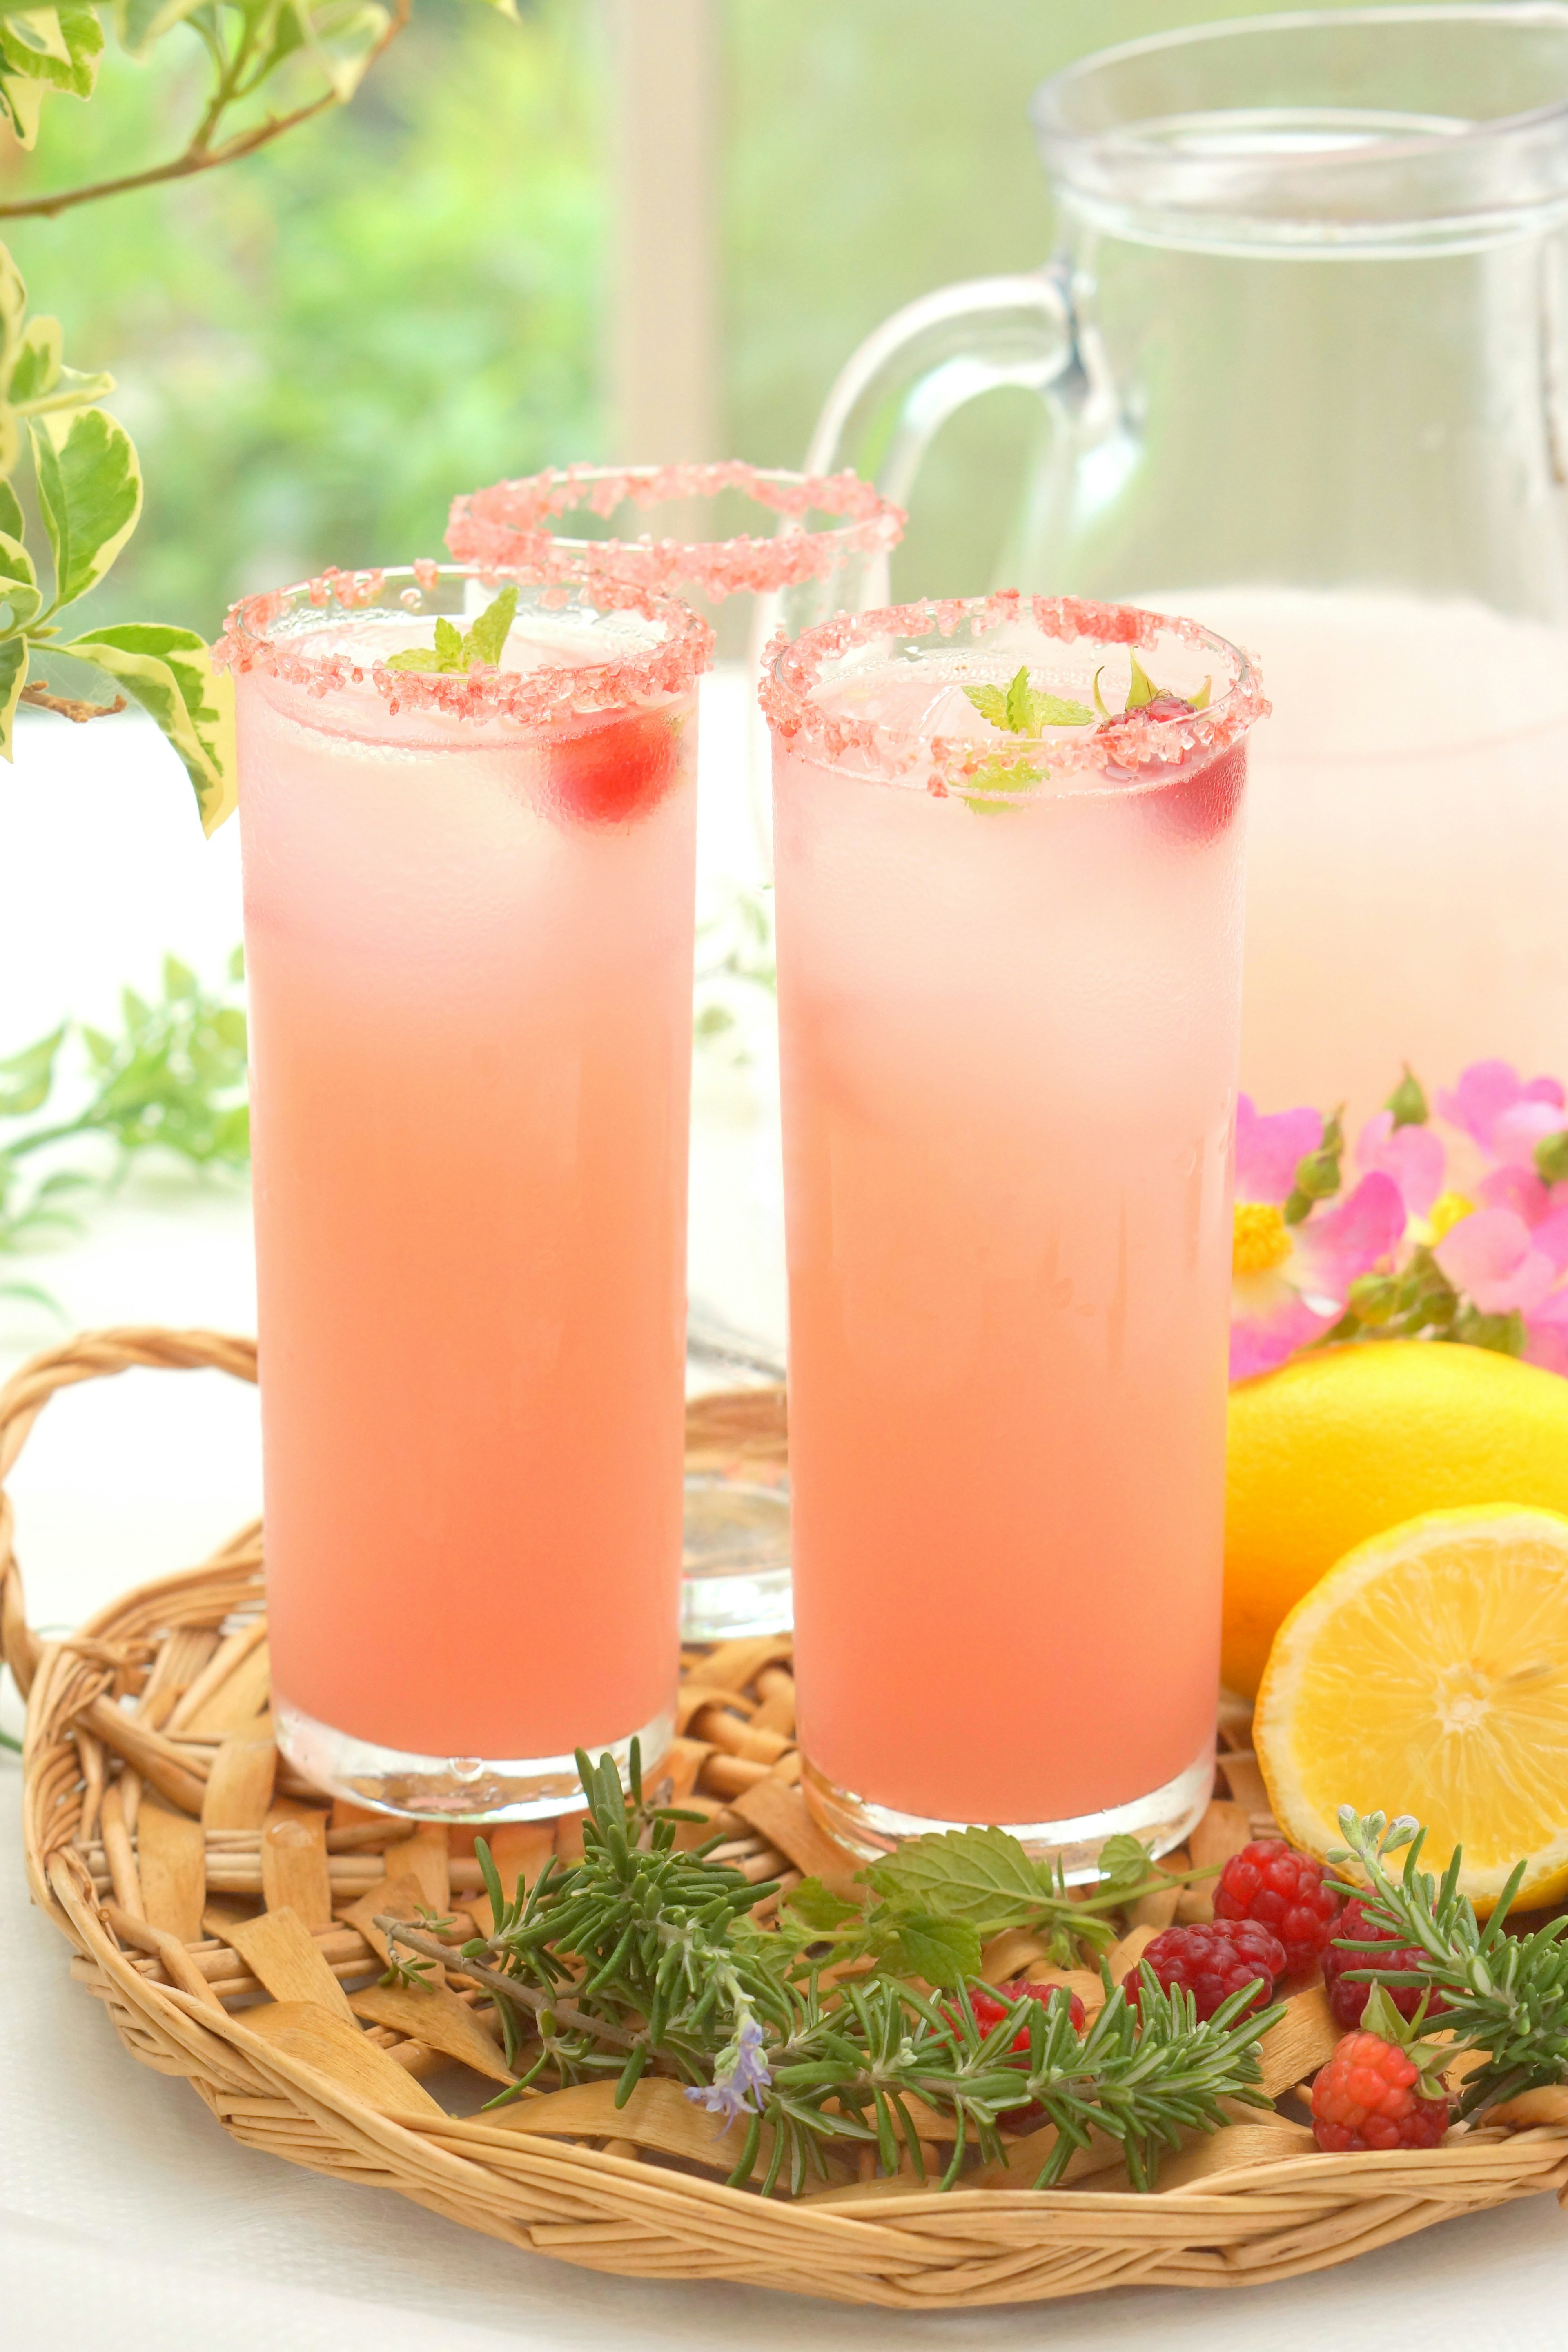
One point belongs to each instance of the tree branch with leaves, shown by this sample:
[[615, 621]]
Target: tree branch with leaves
[[272, 66]]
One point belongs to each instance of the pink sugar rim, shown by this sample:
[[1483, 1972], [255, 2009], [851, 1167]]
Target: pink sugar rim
[[512, 523], [791, 672], [532, 698]]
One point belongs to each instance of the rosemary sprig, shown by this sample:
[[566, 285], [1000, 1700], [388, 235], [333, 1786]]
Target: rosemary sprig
[[1507, 1995], [642, 1958]]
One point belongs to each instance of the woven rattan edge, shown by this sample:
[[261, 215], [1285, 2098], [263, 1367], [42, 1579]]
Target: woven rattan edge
[[917, 2249]]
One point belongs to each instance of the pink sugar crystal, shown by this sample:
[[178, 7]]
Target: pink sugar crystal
[[532, 698], [509, 524], [791, 676]]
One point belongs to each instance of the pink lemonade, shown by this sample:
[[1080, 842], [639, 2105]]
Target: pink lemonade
[[1009, 1043], [469, 936]]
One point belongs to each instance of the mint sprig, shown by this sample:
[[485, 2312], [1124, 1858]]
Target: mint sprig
[[1019, 709], [455, 653]]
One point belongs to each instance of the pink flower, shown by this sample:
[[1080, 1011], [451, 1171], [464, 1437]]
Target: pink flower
[[1412, 1155], [1290, 1282], [1492, 1257], [1270, 1147], [1520, 1190], [1487, 1095]]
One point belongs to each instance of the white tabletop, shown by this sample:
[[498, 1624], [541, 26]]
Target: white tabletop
[[126, 2214]]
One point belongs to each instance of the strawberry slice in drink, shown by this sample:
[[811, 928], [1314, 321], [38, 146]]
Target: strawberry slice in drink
[[615, 773]]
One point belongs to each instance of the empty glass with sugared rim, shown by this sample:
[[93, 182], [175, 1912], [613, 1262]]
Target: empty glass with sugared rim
[[1008, 862], [469, 825], [755, 548]]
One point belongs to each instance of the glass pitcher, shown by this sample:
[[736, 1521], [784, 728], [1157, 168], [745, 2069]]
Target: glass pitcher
[[1303, 359]]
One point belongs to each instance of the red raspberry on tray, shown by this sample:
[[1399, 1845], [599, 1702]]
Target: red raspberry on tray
[[1211, 1963], [1369, 2095], [1347, 1998], [1270, 1881], [989, 2011]]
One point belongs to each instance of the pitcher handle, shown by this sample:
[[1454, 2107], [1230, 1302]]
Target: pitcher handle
[[934, 357]]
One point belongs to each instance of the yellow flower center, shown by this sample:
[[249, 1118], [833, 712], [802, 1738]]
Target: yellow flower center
[[1448, 1210], [1260, 1239]]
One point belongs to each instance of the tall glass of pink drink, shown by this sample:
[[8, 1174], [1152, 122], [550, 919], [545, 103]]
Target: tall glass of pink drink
[[1009, 954], [468, 935]]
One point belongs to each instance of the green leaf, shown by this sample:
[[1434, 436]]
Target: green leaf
[[12, 679], [170, 673], [945, 1952], [89, 488], [487, 639], [1200, 700], [180, 982], [990, 701], [981, 1875], [21, 104], [59, 46], [36, 367], [236, 963], [1123, 1863], [20, 595], [1408, 1101], [11, 518], [26, 1079], [1143, 689], [817, 1906], [454, 652], [141, 23]]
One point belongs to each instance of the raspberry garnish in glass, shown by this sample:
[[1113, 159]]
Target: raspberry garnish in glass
[[1008, 840], [469, 824], [743, 541]]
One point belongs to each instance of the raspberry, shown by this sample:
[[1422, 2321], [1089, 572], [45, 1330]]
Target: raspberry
[[1270, 1881], [1368, 2095], [1348, 1999], [1211, 1963], [990, 2011], [613, 773]]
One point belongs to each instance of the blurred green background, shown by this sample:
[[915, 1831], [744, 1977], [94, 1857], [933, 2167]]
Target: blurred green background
[[316, 346]]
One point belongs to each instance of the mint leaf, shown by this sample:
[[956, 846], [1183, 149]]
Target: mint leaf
[[817, 1906], [1050, 710], [487, 639], [945, 1952], [991, 702], [1024, 709], [982, 1876], [455, 653], [1124, 1864], [1018, 720]]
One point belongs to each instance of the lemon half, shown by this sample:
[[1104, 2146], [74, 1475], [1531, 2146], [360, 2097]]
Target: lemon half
[[1428, 1674]]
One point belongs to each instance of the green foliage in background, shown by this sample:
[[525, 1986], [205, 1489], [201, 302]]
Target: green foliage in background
[[173, 1078], [313, 350], [876, 150], [402, 334]]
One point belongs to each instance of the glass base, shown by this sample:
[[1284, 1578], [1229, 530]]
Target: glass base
[[1160, 1821], [452, 1788], [735, 1561]]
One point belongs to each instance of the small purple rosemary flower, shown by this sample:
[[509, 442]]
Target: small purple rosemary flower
[[740, 2079]]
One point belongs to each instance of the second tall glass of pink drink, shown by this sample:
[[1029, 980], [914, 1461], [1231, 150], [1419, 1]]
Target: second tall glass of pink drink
[[1009, 987], [469, 933]]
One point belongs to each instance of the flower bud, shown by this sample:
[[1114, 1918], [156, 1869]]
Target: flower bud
[[1408, 1101], [1551, 1157]]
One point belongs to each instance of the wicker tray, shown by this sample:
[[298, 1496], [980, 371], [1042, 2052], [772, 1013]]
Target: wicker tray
[[146, 1717]]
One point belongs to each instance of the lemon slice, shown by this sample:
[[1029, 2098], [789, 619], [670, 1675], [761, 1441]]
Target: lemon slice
[[1428, 1674]]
